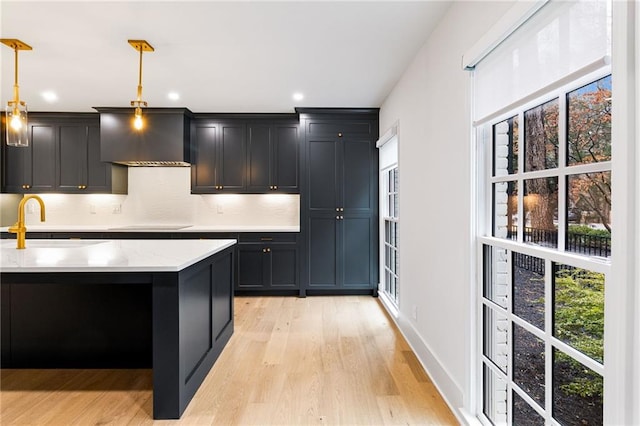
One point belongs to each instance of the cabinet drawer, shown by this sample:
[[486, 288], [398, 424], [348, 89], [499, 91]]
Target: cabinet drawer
[[288, 237]]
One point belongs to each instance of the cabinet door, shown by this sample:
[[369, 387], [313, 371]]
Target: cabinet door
[[43, 158], [259, 147], [204, 157], [284, 265], [322, 157], [286, 157], [72, 151], [322, 256], [17, 168], [359, 176], [251, 267], [357, 248], [98, 172], [233, 157]]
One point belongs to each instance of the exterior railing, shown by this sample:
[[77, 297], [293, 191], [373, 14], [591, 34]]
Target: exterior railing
[[592, 245]]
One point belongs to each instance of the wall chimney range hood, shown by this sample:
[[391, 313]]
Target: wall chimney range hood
[[165, 140]]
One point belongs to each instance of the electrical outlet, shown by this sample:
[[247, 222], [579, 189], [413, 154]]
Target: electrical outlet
[[116, 208], [31, 208], [414, 312], [92, 208], [219, 209]]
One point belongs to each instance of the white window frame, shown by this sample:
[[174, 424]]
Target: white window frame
[[485, 203], [385, 218], [388, 161]]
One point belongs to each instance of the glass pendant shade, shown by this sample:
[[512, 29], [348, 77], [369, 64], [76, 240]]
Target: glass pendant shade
[[138, 122], [16, 125]]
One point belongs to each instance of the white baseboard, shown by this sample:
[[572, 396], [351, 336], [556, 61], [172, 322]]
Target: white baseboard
[[442, 380]]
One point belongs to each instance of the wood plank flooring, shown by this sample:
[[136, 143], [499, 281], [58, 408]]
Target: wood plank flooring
[[291, 361]]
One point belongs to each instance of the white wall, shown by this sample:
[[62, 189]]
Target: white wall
[[431, 104], [162, 195]]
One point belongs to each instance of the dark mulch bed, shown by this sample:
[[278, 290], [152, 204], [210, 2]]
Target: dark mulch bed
[[528, 363]]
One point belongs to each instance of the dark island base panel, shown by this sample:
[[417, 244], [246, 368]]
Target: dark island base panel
[[174, 322]]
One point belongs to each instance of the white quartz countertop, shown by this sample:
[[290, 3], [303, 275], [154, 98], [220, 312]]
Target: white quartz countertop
[[107, 255], [176, 228]]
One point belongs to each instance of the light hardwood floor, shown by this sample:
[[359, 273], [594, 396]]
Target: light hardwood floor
[[291, 361]]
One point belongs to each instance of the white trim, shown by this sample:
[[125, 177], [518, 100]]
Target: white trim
[[443, 381], [622, 384], [388, 304], [591, 263], [433, 367], [500, 31], [387, 136]]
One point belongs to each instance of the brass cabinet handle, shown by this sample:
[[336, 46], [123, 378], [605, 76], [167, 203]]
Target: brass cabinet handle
[[341, 209], [337, 217], [339, 134], [337, 209], [268, 250], [341, 217], [26, 186]]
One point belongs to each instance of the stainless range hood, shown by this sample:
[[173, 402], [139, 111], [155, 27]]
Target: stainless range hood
[[165, 140]]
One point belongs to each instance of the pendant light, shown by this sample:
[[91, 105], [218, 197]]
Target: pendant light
[[140, 46], [16, 114]]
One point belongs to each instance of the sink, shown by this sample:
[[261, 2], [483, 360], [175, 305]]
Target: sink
[[149, 227], [51, 243]]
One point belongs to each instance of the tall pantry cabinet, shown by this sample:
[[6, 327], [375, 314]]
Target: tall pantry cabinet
[[339, 201]]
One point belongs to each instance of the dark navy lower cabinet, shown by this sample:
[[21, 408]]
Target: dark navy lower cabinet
[[267, 264]]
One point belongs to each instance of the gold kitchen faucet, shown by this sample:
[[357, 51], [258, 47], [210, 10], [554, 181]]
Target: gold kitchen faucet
[[19, 227]]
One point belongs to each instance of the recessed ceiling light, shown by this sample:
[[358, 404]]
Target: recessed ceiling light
[[49, 96], [174, 96], [298, 96]]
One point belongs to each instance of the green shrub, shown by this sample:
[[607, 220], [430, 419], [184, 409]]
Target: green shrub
[[586, 230], [579, 321]]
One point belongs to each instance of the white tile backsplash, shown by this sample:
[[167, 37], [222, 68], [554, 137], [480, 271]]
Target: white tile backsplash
[[162, 195]]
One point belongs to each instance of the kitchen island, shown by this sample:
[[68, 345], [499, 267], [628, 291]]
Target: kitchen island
[[160, 304]]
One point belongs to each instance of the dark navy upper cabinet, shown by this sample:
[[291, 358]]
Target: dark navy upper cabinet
[[32, 168], [339, 201], [218, 154], [273, 156], [204, 157], [232, 157], [63, 156], [80, 169], [257, 153]]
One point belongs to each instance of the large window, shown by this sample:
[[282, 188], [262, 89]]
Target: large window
[[390, 219], [545, 257]]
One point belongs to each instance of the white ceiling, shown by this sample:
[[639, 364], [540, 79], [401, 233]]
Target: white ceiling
[[219, 56]]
